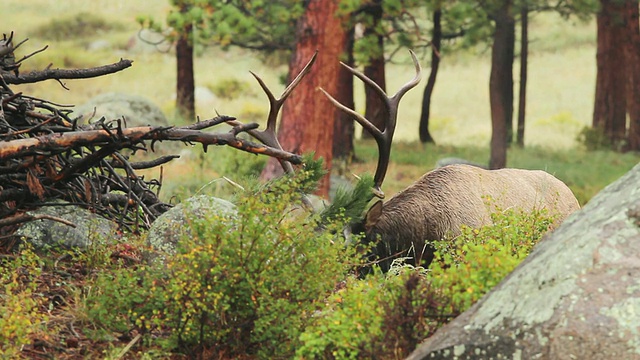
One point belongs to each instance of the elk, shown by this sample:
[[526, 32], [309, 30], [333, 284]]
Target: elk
[[441, 201]]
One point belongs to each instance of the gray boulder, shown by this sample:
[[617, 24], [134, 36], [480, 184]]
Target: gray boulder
[[577, 296], [175, 224], [90, 227], [137, 110]]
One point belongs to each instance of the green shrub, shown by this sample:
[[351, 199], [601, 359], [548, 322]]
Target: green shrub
[[470, 265], [231, 88], [349, 321], [593, 139], [381, 316], [250, 112], [19, 302], [239, 285], [248, 284], [81, 25]]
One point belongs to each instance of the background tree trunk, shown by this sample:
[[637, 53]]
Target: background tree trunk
[[374, 110], [307, 116], [501, 84], [185, 82], [609, 112], [436, 42], [632, 59], [522, 93], [343, 130]]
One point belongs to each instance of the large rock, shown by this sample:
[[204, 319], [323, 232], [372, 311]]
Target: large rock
[[90, 227], [577, 296], [174, 225], [137, 110]]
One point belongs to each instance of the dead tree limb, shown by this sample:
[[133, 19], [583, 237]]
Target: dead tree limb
[[58, 142], [65, 74]]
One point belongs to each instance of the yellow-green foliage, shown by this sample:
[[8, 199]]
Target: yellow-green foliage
[[470, 265], [231, 88], [382, 316], [386, 316], [345, 327], [19, 301], [245, 284]]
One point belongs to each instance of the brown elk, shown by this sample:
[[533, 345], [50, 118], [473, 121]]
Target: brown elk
[[441, 201]]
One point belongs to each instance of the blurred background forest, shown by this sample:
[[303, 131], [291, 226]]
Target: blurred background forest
[[560, 87]]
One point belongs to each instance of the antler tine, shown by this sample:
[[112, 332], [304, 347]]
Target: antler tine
[[268, 136], [383, 137], [412, 83], [357, 116]]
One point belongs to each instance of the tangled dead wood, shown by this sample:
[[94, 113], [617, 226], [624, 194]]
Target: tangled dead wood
[[46, 156]]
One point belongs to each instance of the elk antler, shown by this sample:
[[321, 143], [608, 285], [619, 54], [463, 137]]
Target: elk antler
[[268, 135], [383, 137]]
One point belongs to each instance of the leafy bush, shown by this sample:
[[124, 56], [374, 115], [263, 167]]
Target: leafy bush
[[246, 284], [470, 265], [80, 25], [230, 88], [250, 112], [593, 139], [19, 301], [381, 316], [386, 316]]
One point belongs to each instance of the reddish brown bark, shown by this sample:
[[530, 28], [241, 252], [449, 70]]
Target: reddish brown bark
[[501, 84], [609, 112], [308, 117], [632, 58]]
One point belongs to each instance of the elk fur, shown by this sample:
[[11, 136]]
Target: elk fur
[[443, 200]]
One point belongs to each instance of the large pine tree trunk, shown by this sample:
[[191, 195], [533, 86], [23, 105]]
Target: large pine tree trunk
[[374, 109], [609, 114], [522, 93], [307, 116], [501, 84], [436, 41], [185, 84], [343, 130], [632, 58]]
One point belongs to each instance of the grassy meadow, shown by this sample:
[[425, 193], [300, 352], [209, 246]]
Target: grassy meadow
[[559, 104]]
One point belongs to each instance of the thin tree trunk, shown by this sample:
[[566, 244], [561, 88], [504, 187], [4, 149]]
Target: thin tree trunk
[[522, 93], [501, 85], [374, 109], [632, 58], [185, 84], [307, 116], [609, 114], [436, 42], [343, 132], [508, 75]]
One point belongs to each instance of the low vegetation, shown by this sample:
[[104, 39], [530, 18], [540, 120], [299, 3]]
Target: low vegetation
[[260, 284]]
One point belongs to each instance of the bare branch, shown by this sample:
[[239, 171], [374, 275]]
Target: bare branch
[[58, 74]]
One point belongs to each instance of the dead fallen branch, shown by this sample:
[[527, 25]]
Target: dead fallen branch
[[64, 74], [47, 159]]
